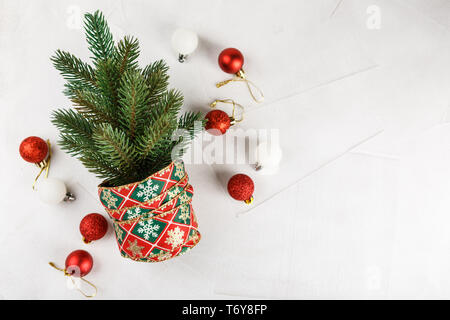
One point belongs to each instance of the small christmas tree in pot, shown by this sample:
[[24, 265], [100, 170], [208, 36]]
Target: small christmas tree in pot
[[122, 130]]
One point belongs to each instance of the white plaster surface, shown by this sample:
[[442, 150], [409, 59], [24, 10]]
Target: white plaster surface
[[359, 208]]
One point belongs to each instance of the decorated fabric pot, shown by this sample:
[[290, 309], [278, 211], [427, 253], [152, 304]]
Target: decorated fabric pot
[[153, 219]]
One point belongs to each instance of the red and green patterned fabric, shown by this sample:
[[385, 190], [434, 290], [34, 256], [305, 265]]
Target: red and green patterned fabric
[[153, 219]]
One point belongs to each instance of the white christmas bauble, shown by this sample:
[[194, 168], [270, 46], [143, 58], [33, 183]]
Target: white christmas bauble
[[268, 157], [51, 190], [184, 41]]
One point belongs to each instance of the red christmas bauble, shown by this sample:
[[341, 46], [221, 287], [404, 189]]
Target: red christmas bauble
[[79, 263], [218, 122], [241, 187], [33, 149], [231, 60], [93, 227]]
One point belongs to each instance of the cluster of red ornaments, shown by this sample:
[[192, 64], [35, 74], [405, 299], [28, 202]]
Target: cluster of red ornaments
[[240, 186], [218, 121], [79, 262], [92, 227], [35, 150]]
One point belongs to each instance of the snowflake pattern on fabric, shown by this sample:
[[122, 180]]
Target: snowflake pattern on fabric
[[184, 197], [133, 213], [173, 193], [155, 221], [109, 199], [194, 236], [179, 170], [148, 191], [175, 237], [184, 213], [148, 228], [184, 250], [162, 255], [135, 249], [119, 232]]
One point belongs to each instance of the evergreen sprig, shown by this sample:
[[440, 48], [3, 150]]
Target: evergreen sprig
[[125, 117]]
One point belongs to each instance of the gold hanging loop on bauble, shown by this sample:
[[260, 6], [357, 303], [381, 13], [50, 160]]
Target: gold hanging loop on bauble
[[71, 278], [44, 165], [233, 112], [240, 77]]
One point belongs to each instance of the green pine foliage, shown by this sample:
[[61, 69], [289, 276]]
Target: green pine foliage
[[124, 117]]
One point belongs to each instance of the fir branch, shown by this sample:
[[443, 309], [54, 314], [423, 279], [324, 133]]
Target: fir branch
[[108, 79], [87, 153], [76, 139], [115, 145], [72, 123], [71, 89], [73, 69], [92, 106], [98, 166], [75, 131], [74, 145], [157, 79], [98, 36], [188, 122], [163, 123], [134, 95], [189, 125], [126, 54]]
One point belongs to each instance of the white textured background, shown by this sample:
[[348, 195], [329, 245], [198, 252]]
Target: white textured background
[[360, 208]]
